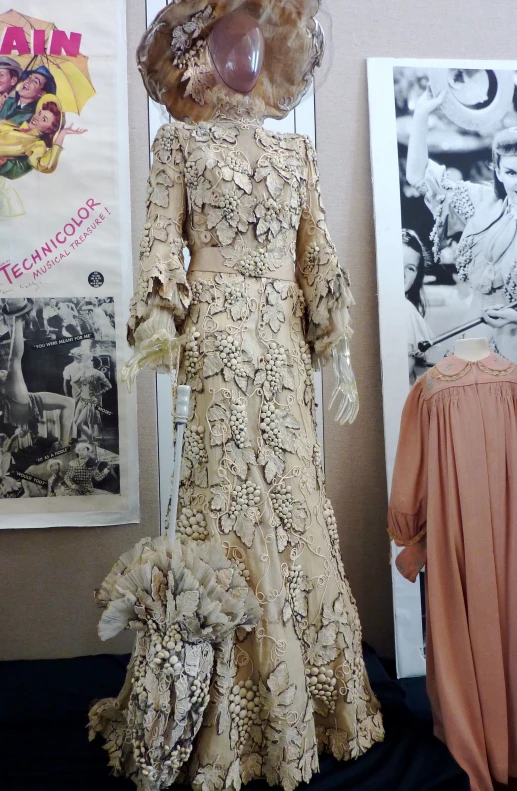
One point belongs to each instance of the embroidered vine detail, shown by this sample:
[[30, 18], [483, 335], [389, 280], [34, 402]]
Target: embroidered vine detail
[[444, 377]]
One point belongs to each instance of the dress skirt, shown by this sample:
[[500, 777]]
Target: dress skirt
[[252, 481]]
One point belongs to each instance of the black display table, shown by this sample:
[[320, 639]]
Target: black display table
[[44, 744]]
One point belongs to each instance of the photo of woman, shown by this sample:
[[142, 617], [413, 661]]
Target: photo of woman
[[38, 142], [415, 259], [457, 153], [485, 215]]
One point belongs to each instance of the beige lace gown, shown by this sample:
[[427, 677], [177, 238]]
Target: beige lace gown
[[252, 477]]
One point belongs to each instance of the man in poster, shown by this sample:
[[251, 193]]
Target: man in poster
[[21, 108], [10, 73]]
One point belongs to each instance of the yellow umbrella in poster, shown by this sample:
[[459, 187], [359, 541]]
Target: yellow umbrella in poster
[[73, 82]]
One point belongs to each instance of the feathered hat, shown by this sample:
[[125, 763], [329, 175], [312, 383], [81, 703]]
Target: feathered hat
[[175, 66]]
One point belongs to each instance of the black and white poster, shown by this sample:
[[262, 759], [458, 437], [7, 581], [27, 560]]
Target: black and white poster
[[444, 162], [59, 423]]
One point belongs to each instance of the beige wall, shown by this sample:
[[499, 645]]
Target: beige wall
[[48, 576], [355, 457]]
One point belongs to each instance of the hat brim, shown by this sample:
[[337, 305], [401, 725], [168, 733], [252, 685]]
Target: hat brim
[[20, 311], [10, 63], [294, 45], [483, 118]]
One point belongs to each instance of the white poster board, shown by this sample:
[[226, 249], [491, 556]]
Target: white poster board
[[428, 289]]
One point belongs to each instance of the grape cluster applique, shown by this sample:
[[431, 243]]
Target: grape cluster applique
[[275, 360], [192, 524], [239, 423], [244, 710], [254, 263], [323, 685], [282, 499], [228, 348], [192, 356], [270, 425], [244, 496], [194, 446]]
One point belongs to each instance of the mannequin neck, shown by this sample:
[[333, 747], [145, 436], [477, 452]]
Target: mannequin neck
[[472, 349], [237, 107]]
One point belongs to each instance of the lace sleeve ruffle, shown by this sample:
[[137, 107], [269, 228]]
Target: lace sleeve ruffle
[[452, 202], [326, 286], [162, 278]]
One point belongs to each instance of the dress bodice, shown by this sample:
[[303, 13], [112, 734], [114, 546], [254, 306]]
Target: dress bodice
[[235, 186], [252, 195]]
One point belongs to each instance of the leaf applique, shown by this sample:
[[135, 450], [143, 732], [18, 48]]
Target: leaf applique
[[290, 775], [210, 778], [282, 539], [260, 378], [339, 744], [242, 383], [245, 529], [299, 517], [287, 378], [240, 458], [160, 187], [320, 646], [274, 316], [275, 466], [213, 365], [227, 523], [244, 182], [186, 603], [233, 778], [275, 185], [218, 502], [251, 765], [279, 694], [199, 79], [218, 412], [200, 473]]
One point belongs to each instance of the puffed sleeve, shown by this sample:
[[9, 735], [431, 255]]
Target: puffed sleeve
[[407, 515], [325, 285], [43, 159], [162, 279], [452, 203]]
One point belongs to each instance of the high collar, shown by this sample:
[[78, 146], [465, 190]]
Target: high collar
[[244, 110]]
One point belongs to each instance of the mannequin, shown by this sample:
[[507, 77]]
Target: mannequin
[[235, 53], [236, 46], [263, 303], [472, 349]]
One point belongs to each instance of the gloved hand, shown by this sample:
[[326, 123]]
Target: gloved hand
[[345, 390]]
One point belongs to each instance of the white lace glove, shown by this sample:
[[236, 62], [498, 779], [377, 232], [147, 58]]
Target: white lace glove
[[156, 342], [345, 390]]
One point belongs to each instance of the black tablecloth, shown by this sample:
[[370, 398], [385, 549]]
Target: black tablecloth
[[44, 745]]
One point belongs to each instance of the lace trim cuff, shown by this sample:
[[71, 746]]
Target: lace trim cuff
[[166, 282], [329, 320]]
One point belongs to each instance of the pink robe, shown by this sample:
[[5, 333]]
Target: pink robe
[[456, 478]]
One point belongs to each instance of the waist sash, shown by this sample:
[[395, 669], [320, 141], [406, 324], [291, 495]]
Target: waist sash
[[210, 259]]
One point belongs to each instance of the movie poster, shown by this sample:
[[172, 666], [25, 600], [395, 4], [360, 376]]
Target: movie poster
[[68, 446]]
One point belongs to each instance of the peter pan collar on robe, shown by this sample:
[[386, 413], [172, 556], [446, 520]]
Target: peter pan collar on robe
[[453, 367]]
